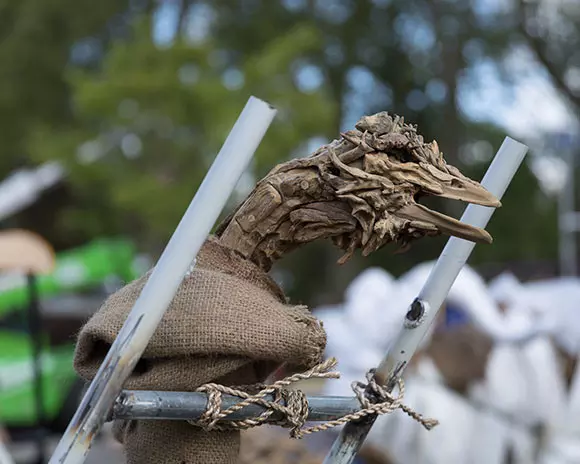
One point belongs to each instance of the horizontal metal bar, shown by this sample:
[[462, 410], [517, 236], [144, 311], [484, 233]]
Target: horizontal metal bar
[[136, 404], [151, 405]]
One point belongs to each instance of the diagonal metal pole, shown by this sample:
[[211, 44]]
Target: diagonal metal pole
[[164, 281], [423, 310]]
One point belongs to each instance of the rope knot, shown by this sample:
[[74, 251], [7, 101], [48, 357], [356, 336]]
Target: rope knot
[[376, 399], [292, 405], [295, 411], [371, 394]]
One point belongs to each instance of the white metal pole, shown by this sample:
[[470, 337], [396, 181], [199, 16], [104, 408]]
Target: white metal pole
[[423, 310], [164, 281]]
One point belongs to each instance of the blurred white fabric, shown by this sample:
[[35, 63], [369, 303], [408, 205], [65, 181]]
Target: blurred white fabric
[[505, 288], [464, 434], [359, 331], [524, 384], [534, 374], [562, 439], [558, 301], [368, 306]]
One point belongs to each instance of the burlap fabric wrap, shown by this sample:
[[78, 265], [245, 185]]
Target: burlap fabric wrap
[[229, 323]]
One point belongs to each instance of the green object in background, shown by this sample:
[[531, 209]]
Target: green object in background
[[17, 407], [79, 269], [82, 269]]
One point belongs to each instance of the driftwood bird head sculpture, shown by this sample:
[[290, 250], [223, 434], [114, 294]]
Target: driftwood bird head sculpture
[[362, 191], [229, 322]]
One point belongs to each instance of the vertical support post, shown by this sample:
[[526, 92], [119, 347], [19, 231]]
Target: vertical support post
[[423, 311], [567, 224], [35, 329]]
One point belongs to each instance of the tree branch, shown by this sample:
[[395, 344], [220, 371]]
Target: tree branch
[[183, 12], [537, 46]]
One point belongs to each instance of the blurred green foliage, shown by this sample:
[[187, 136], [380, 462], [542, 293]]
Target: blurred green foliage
[[137, 120], [36, 41], [150, 120]]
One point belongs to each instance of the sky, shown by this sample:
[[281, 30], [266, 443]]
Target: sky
[[528, 108], [532, 106]]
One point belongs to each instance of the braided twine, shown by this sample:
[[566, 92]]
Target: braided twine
[[292, 405]]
